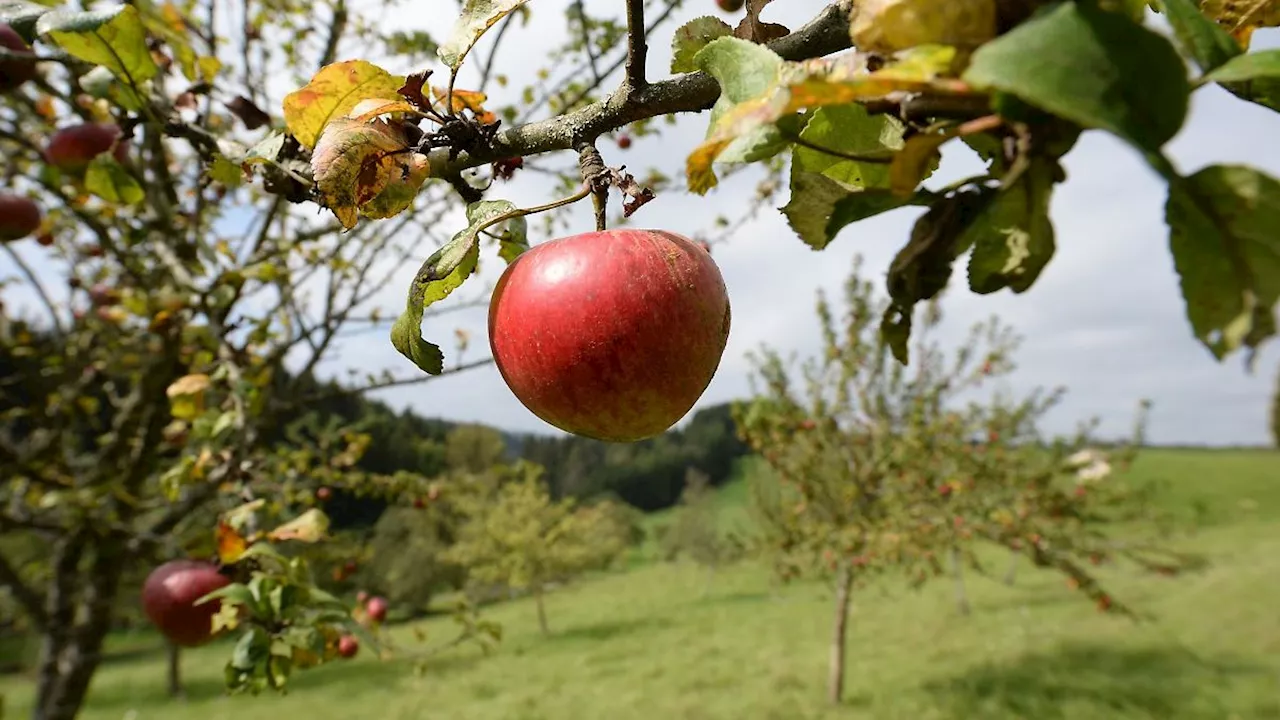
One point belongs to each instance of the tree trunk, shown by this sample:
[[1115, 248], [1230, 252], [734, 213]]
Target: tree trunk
[[542, 610], [835, 671], [957, 572], [176, 690], [1013, 568], [71, 653]]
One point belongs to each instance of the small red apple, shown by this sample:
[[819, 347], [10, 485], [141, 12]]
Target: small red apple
[[624, 141], [350, 566], [169, 596], [72, 148], [323, 494], [1104, 603], [993, 436], [16, 71], [348, 646], [730, 6], [1080, 491], [45, 239], [103, 295], [944, 490], [610, 335], [19, 216], [93, 251], [419, 503], [377, 609], [808, 424]]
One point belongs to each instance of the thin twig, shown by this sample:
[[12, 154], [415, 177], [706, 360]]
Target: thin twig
[[637, 49], [37, 286]]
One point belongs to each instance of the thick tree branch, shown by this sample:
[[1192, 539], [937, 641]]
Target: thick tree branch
[[637, 49], [28, 598], [693, 92]]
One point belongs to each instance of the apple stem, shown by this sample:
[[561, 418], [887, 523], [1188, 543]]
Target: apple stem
[[596, 178]]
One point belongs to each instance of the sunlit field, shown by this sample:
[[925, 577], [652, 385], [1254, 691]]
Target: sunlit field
[[666, 640]]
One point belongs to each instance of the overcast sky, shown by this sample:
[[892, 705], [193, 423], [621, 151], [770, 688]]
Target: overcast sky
[[1106, 319]]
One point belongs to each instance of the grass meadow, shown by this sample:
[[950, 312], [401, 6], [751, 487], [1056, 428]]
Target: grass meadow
[[658, 641]]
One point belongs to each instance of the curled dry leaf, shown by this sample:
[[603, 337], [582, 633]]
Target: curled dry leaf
[[250, 114], [354, 162]]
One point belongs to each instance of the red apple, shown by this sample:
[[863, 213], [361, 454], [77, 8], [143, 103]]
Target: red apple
[[19, 216], [730, 5], [169, 596], [45, 239], [610, 335], [419, 503], [350, 566], [1104, 603], [348, 646], [14, 72], [72, 148], [104, 295], [624, 141], [377, 609], [323, 494], [808, 424]]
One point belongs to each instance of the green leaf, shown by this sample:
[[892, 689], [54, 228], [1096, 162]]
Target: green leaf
[[848, 131], [441, 274], [745, 71], [476, 18], [266, 150], [1254, 77], [225, 172], [22, 16], [1013, 238], [111, 181], [253, 647], [1095, 68], [233, 594], [1202, 38], [1262, 64], [922, 268], [1222, 223], [100, 82], [820, 207], [113, 37], [691, 38]]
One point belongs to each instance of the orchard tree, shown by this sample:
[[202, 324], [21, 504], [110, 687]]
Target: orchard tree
[[133, 132], [520, 538], [884, 468]]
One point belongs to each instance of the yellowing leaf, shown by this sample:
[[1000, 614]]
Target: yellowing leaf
[[355, 161], [913, 163], [309, 527], [466, 100], [332, 93], [1242, 17], [477, 17], [186, 396], [398, 195], [814, 84], [888, 26], [113, 37], [231, 544], [372, 109]]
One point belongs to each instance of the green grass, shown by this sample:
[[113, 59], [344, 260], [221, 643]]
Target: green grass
[[658, 642]]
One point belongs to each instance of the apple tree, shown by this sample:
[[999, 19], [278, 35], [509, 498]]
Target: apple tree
[[885, 468], [518, 537], [696, 531]]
